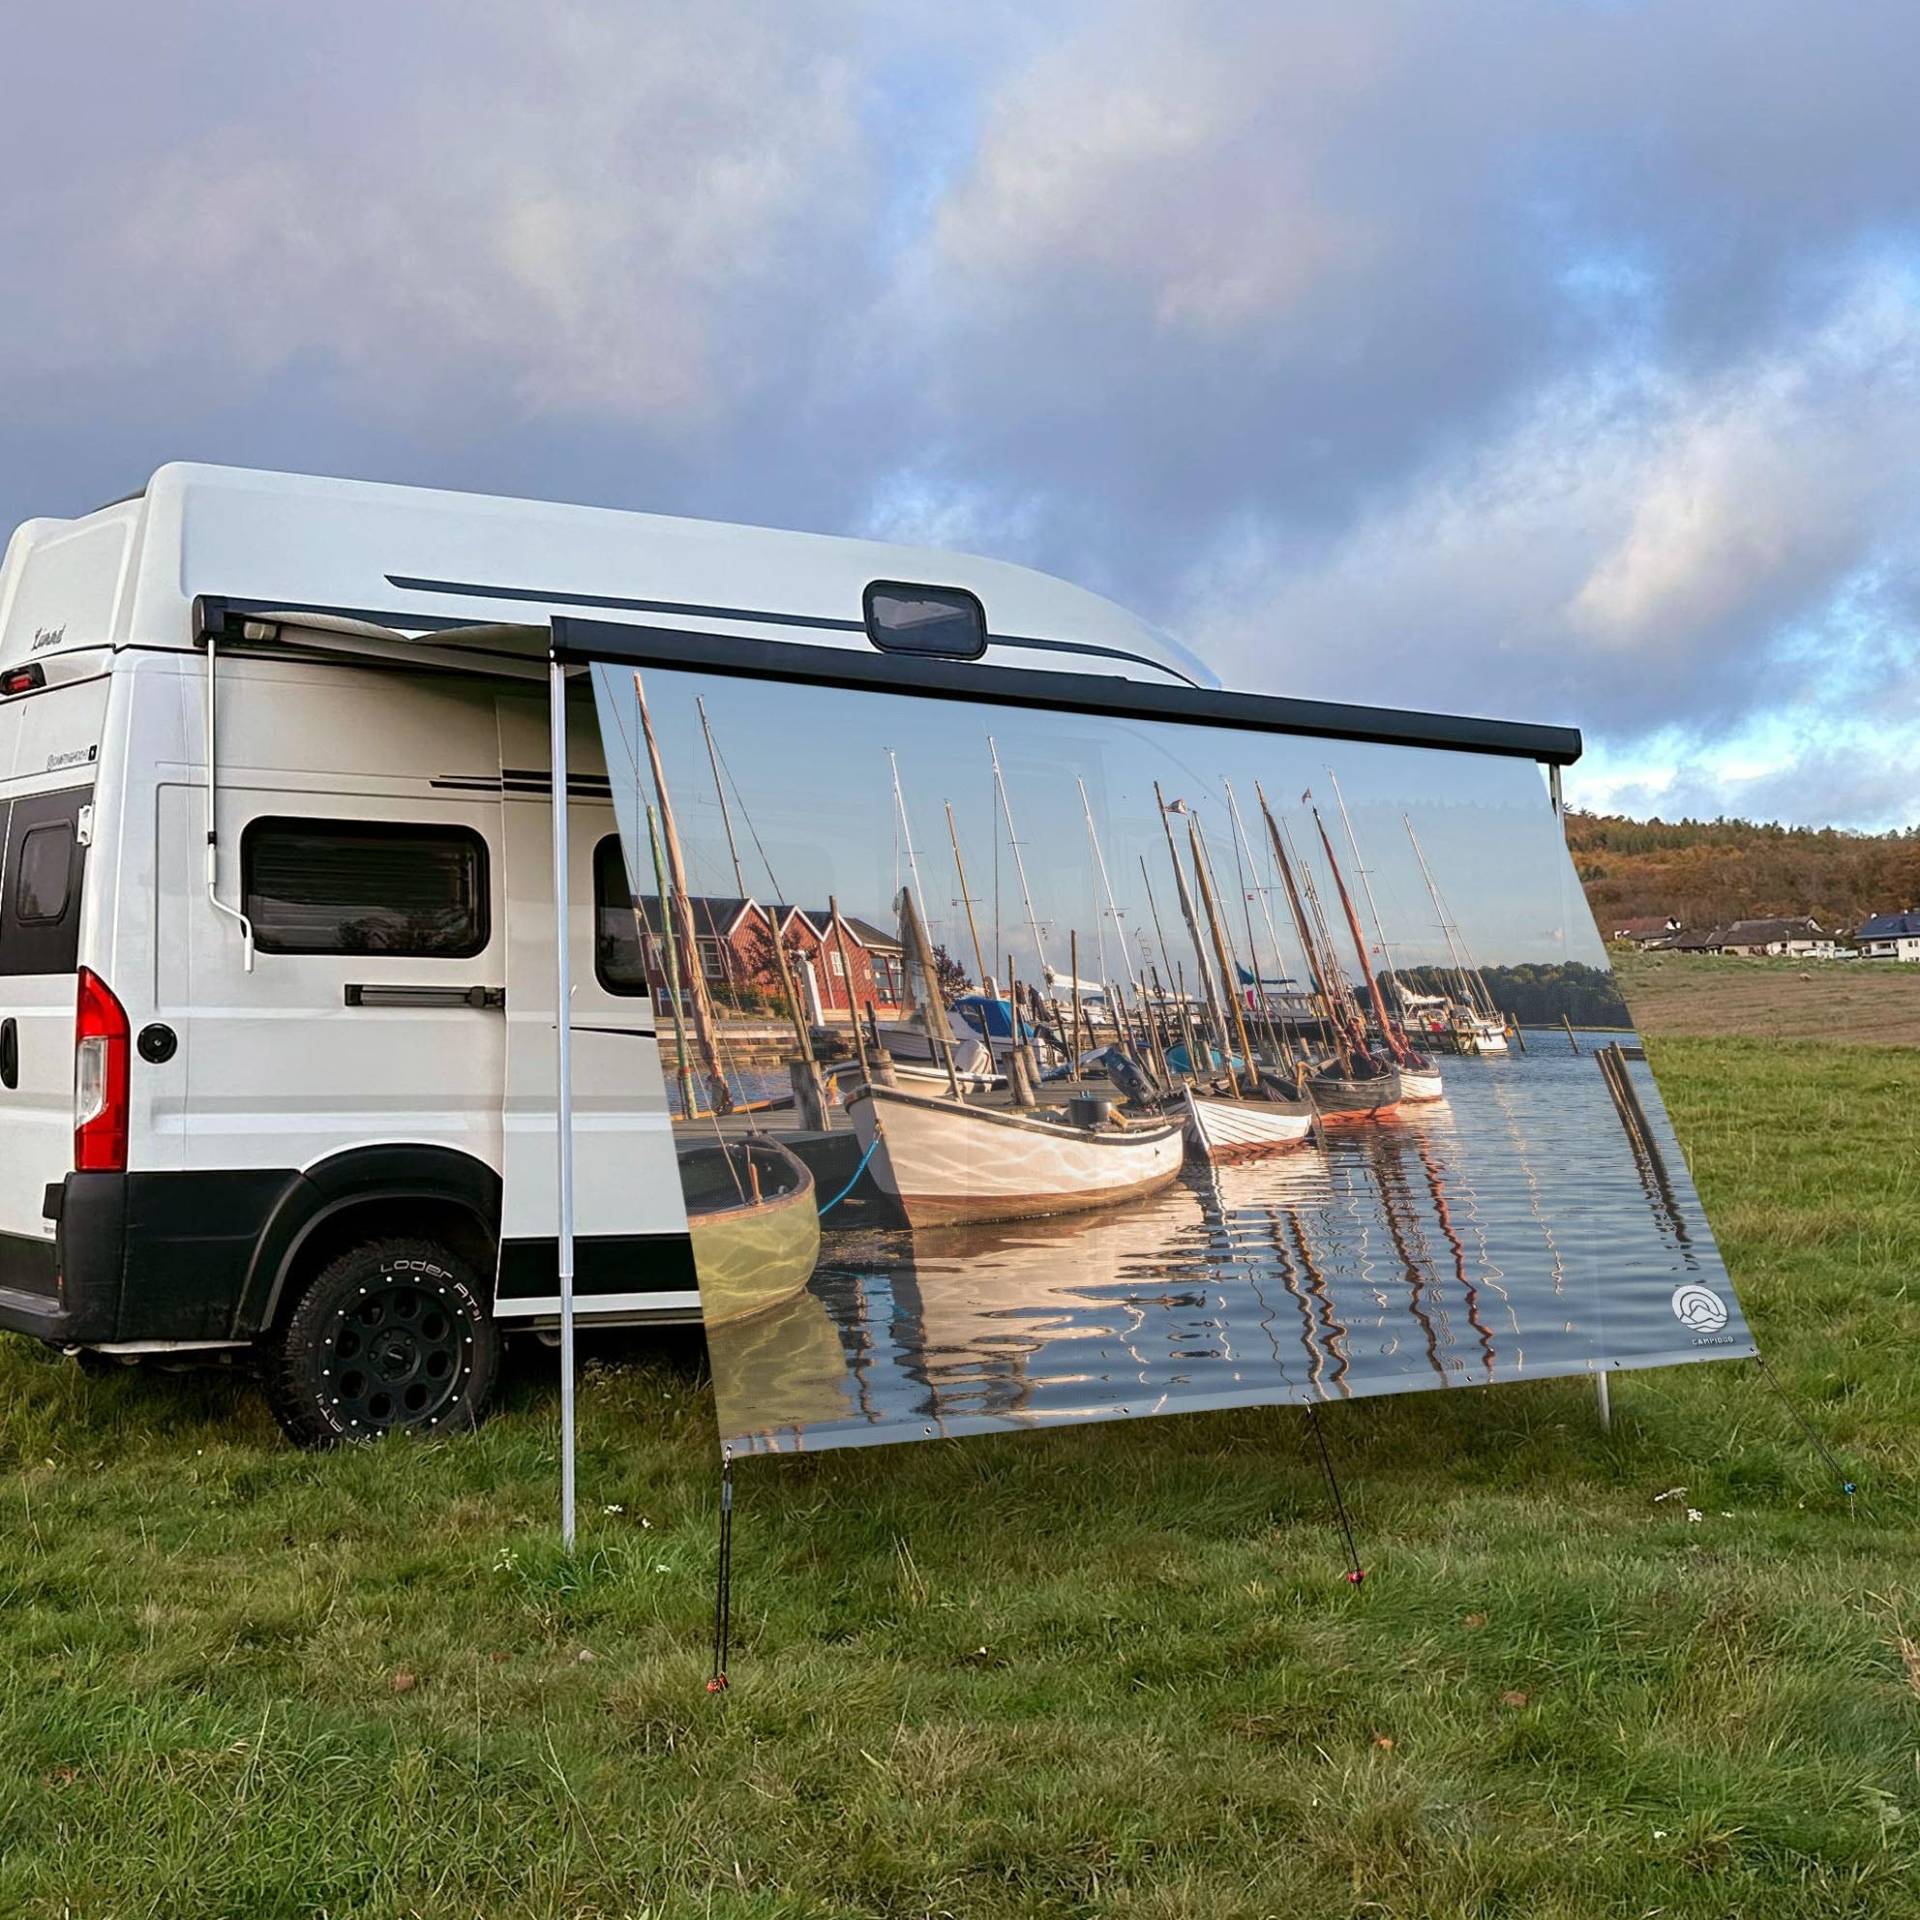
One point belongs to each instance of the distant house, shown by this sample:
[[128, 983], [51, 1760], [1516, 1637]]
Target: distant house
[[1699, 940], [1890, 936], [735, 942], [1798, 938], [886, 957], [1646, 932]]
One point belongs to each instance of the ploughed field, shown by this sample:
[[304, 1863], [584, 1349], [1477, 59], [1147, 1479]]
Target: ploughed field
[[1864, 1002], [1116, 1670]]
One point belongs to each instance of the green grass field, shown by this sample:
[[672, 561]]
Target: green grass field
[[1116, 1671]]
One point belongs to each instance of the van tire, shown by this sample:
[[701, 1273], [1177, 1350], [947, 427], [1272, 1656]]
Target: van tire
[[393, 1336]]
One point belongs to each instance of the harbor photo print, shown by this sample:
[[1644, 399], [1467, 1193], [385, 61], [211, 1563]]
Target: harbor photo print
[[1033, 1067]]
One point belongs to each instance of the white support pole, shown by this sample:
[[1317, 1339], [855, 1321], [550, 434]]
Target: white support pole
[[563, 1105]]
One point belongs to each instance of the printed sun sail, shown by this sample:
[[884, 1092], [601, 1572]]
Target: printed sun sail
[[1036, 1067]]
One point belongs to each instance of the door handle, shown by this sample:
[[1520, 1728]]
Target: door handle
[[9, 1053], [393, 995]]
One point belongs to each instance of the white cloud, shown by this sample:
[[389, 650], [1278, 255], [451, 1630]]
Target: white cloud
[[1634, 548], [582, 208]]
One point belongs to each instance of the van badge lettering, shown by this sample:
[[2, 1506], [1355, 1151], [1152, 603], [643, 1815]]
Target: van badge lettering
[[79, 757], [47, 637]]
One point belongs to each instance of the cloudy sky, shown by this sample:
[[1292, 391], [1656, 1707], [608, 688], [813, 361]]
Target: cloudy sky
[[1558, 359]]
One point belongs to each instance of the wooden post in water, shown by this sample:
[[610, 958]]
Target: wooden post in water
[[1020, 1088], [936, 1009], [1568, 1024]]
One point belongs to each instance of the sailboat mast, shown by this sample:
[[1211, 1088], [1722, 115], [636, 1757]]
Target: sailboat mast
[[1266, 915], [680, 910], [1359, 942], [906, 831], [1019, 865], [1166, 960], [1366, 881], [1462, 985], [966, 900], [720, 794], [683, 1054], [1322, 988], [1214, 1012], [1223, 954], [1106, 887], [1330, 954]]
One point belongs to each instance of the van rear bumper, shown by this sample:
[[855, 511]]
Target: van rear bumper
[[138, 1256]]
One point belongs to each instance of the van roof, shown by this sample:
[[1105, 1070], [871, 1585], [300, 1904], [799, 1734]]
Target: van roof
[[414, 557]]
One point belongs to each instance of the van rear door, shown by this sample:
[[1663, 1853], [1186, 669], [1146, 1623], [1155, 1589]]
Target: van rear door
[[43, 862]]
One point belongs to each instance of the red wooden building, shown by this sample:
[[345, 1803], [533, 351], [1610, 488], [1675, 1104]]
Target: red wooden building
[[735, 939]]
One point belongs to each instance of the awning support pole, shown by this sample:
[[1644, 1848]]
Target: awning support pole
[[563, 1105]]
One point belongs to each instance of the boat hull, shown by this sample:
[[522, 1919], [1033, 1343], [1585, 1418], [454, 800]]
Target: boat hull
[[946, 1163], [1354, 1102], [749, 1255], [1228, 1130], [1419, 1088]]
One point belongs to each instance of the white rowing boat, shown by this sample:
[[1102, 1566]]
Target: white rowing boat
[[1228, 1129], [1420, 1085], [944, 1161]]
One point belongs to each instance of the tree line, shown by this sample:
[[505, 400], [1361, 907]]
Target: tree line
[[1536, 995], [1705, 873]]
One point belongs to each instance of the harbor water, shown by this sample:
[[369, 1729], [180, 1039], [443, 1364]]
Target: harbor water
[[1513, 1231]]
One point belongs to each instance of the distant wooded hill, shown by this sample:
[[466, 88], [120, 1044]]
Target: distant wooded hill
[[1708, 872]]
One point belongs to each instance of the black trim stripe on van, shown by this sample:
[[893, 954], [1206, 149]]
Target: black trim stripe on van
[[603, 1263], [757, 616]]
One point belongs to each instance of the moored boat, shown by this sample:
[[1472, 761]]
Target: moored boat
[[1420, 1085], [1344, 1100], [1223, 1128], [1489, 1036], [944, 1161], [754, 1221]]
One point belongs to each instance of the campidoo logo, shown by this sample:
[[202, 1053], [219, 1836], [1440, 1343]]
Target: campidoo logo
[[1699, 1309]]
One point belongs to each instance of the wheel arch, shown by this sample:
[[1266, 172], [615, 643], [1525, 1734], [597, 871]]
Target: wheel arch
[[370, 1193]]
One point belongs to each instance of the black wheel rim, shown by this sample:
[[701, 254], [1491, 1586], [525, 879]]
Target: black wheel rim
[[399, 1355]]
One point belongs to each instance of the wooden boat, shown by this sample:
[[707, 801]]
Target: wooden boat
[[1489, 1036], [1223, 1128], [1420, 1085], [944, 1161], [754, 1221], [1344, 1101]]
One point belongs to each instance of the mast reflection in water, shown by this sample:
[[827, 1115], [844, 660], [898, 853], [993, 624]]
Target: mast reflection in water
[[1511, 1232]]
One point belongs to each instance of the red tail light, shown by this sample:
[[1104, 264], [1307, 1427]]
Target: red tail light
[[100, 1050]]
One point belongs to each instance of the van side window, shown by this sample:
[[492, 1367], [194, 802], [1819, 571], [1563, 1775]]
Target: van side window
[[43, 882], [618, 962], [43, 864], [365, 886]]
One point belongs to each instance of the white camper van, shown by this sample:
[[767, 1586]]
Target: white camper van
[[277, 938]]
